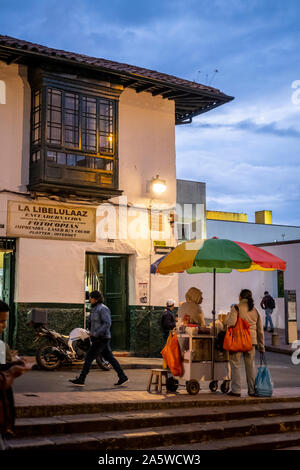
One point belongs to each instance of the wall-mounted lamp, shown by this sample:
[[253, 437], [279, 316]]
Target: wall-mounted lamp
[[158, 186]]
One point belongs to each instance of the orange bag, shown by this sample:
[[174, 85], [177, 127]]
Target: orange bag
[[238, 337], [172, 356]]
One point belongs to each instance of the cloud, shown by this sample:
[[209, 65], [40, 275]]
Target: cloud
[[247, 151], [251, 126]]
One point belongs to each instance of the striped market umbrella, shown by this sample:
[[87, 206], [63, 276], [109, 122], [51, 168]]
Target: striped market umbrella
[[216, 255]]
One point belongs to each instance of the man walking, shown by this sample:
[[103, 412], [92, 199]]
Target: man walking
[[100, 323], [268, 304]]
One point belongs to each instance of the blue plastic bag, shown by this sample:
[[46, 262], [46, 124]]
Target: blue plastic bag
[[263, 382]]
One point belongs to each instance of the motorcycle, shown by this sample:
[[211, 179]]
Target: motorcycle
[[59, 349]]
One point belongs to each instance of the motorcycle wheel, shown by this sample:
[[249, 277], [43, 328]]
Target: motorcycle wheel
[[47, 359], [103, 365]]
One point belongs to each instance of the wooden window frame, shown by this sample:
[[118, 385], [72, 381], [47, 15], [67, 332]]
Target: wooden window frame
[[102, 160]]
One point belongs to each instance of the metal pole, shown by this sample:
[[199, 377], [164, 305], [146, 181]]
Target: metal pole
[[214, 331]]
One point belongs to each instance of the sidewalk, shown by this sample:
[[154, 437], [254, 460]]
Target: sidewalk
[[52, 404], [127, 362], [282, 347]]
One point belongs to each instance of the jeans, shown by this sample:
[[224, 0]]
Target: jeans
[[101, 346], [235, 361], [269, 318]]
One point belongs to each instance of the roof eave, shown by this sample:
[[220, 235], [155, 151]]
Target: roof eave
[[127, 79]]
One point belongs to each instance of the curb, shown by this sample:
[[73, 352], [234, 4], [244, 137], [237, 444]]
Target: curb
[[36, 411], [95, 367], [279, 350]]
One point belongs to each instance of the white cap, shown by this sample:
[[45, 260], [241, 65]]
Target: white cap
[[170, 302]]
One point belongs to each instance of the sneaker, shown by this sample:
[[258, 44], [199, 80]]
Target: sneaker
[[231, 394], [122, 381], [78, 381]]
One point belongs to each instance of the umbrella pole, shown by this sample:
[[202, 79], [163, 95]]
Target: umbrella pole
[[214, 330], [214, 301]]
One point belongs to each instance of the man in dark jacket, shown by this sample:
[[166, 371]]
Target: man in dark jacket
[[100, 323], [168, 321], [268, 304]]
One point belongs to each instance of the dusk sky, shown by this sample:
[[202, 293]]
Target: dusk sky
[[246, 151]]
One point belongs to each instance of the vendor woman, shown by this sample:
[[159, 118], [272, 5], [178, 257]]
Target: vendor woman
[[192, 307]]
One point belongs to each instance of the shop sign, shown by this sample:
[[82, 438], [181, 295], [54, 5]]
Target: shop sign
[[54, 222]]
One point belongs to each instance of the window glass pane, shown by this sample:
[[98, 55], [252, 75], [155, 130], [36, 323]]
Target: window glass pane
[[54, 113], [54, 134], [106, 126], [81, 161], [71, 120], [89, 124], [51, 156], [106, 143], [103, 164], [71, 160], [37, 97], [61, 158], [36, 118], [55, 97]]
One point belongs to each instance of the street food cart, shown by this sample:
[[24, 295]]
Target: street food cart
[[202, 362], [216, 256]]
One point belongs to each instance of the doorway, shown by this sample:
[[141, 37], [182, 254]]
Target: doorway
[[7, 284], [109, 274]]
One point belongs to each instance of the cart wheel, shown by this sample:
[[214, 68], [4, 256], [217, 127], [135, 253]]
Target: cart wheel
[[225, 386], [193, 387], [213, 386], [172, 384]]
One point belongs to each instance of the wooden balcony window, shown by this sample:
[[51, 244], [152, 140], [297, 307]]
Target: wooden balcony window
[[73, 142]]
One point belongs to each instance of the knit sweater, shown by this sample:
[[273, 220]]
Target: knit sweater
[[254, 320]]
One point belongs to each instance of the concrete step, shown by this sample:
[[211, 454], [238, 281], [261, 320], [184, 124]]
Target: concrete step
[[140, 419], [281, 441], [84, 405], [169, 435]]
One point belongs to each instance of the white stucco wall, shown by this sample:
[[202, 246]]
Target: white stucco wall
[[53, 271], [249, 232], [228, 286], [14, 128], [146, 145]]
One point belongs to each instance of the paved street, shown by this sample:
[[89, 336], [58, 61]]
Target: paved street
[[283, 372]]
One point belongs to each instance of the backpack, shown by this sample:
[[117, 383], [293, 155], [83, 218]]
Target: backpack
[[270, 302]]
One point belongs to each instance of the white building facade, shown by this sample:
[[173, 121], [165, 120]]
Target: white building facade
[[82, 141]]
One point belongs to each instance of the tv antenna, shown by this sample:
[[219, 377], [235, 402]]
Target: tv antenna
[[214, 73]]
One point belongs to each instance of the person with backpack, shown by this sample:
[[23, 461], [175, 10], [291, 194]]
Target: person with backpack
[[268, 304]]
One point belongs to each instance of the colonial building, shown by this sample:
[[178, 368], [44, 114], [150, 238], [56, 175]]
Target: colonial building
[[88, 188]]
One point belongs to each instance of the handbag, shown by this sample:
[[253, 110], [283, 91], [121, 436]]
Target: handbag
[[263, 385], [238, 337], [172, 356]]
